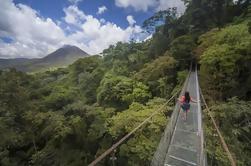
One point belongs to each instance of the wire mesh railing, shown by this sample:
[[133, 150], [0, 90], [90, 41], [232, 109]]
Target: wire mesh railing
[[160, 154], [202, 155]]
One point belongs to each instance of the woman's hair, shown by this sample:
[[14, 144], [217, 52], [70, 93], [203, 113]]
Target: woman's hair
[[187, 97]]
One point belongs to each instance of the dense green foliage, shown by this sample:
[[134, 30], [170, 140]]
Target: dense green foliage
[[143, 143], [70, 116], [226, 62], [224, 56], [236, 131]]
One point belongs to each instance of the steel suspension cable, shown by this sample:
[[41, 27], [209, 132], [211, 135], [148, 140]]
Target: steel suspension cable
[[114, 146], [160, 153], [225, 147]]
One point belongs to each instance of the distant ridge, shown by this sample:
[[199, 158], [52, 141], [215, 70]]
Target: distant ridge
[[60, 58]]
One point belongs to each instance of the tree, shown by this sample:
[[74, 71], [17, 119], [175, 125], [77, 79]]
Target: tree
[[159, 75], [159, 44], [144, 143], [182, 50], [60, 97], [85, 65], [225, 62], [159, 18], [120, 91], [235, 129]]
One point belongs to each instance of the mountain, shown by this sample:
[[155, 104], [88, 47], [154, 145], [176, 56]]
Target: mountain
[[5, 63], [59, 58]]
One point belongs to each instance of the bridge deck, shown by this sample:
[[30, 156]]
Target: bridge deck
[[184, 149]]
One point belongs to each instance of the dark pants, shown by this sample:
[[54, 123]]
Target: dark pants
[[185, 106]]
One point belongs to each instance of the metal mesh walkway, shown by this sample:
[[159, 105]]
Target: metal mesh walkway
[[182, 142]]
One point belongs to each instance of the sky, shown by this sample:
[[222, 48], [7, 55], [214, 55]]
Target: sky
[[35, 28]]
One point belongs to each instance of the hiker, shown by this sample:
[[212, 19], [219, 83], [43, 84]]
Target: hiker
[[185, 104]]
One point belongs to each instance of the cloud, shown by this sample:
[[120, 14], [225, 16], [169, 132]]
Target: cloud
[[33, 36], [140, 5], [101, 9], [102, 20], [130, 20], [99, 34], [165, 4], [74, 1], [136, 4], [73, 15]]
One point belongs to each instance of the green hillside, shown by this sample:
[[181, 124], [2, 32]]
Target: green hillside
[[70, 116], [60, 58]]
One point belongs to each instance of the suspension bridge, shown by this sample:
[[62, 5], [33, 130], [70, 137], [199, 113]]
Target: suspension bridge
[[182, 142]]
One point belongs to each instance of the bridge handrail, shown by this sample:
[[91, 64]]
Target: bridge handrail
[[202, 158], [225, 147], [114, 146], [166, 137]]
